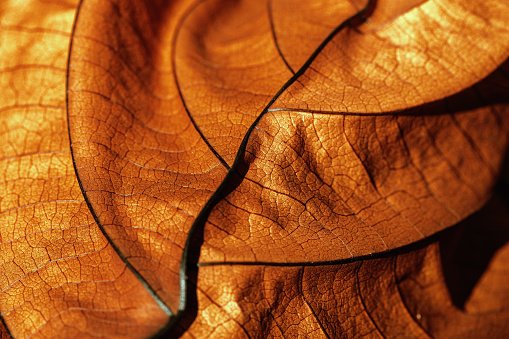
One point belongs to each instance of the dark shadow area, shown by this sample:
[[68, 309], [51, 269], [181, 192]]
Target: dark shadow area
[[189, 315], [185, 318], [467, 249]]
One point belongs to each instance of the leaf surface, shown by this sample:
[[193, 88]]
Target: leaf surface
[[333, 172], [282, 146], [405, 294], [59, 275]]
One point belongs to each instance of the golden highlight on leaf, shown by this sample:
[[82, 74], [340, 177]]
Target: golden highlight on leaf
[[253, 168], [60, 276]]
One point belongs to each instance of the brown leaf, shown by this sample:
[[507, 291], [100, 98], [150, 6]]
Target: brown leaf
[[334, 172], [404, 294], [59, 275], [278, 145]]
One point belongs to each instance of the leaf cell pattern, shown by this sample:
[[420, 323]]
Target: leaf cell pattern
[[253, 168]]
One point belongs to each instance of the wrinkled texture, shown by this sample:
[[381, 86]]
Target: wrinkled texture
[[59, 275], [405, 295], [280, 160]]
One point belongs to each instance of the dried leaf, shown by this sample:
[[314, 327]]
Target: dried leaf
[[60, 276], [261, 168], [405, 294]]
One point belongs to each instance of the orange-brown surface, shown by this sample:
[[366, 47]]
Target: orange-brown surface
[[253, 168], [407, 294]]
